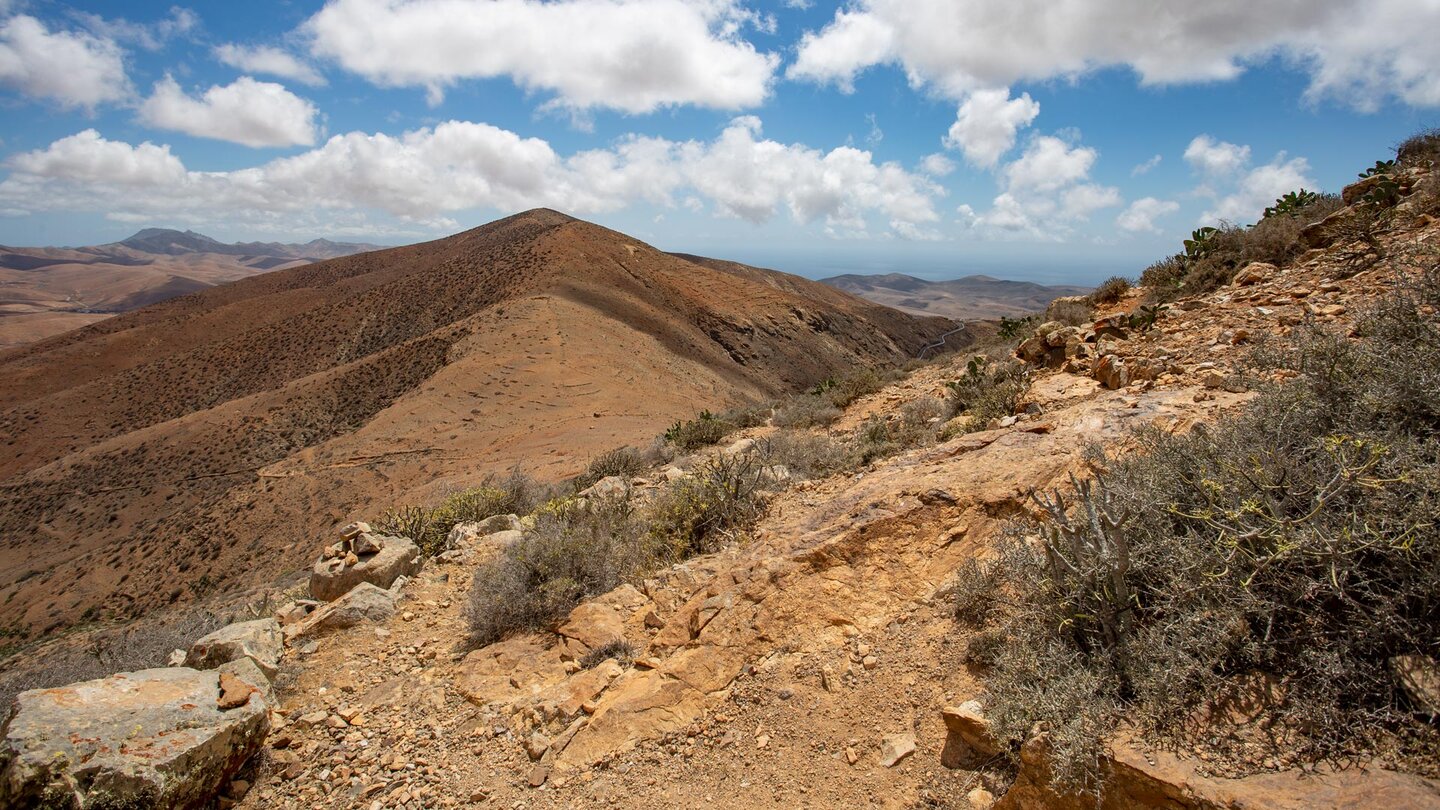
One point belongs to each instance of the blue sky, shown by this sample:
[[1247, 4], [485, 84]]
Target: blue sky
[[934, 137]]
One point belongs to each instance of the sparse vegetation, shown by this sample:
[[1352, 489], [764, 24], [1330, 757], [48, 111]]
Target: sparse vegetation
[[429, 527], [702, 431], [625, 462], [1110, 291], [1420, 149], [619, 649], [989, 389], [1070, 311], [1292, 545], [811, 410]]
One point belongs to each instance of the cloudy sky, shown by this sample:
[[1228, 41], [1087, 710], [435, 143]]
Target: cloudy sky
[[1027, 139]]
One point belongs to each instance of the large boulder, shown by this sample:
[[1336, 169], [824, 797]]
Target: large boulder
[[154, 738], [333, 578], [260, 640], [363, 603]]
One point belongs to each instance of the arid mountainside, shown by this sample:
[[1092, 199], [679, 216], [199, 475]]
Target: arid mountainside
[[962, 299], [46, 291], [207, 441]]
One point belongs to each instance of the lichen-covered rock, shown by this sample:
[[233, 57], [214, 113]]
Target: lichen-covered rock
[[154, 738], [260, 640], [332, 579]]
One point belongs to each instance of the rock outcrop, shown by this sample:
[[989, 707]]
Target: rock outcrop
[[363, 557], [260, 641], [361, 604], [154, 738]]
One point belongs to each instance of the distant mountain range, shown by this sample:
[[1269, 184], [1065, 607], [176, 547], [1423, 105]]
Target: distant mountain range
[[45, 291], [967, 298]]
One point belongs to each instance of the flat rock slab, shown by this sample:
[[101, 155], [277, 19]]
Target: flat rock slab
[[153, 738], [332, 579]]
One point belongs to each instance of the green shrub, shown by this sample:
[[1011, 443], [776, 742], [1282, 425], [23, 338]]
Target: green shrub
[[989, 389], [429, 527], [720, 500], [1110, 291], [1291, 204], [1013, 328], [702, 431], [1294, 540]]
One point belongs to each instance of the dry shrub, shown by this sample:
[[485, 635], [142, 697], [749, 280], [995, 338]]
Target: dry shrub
[[142, 645], [845, 389], [1420, 149], [583, 547], [619, 649], [572, 553], [806, 410], [1069, 311], [806, 454], [516, 493], [1110, 291], [1295, 539], [625, 462]]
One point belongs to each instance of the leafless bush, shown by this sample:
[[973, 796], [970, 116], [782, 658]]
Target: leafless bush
[[619, 649], [806, 410], [808, 455], [97, 654], [1420, 149], [1070, 311]]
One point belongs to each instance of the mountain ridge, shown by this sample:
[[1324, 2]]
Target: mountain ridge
[[971, 297], [336, 384]]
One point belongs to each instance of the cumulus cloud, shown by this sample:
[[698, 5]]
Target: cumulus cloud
[[427, 174], [1045, 192], [244, 112], [1360, 51], [1258, 189], [630, 55], [1140, 216], [270, 61], [1216, 158], [986, 125], [73, 68]]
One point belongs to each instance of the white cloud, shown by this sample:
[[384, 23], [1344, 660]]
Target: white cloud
[[426, 175], [1144, 168], [937, 165], [1216, 158], [848, 45], [986, 125], [1141, 215], [1048, 163], [150, 36], [1045, 192], [72, 67], [245, 112], [270, 61], [631, 55], [1259, 189], [1358, 50]]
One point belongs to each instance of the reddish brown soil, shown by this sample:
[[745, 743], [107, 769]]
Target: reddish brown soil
[[215, 439]]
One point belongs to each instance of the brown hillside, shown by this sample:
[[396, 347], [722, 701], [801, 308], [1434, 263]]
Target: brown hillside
[[212, 440]]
